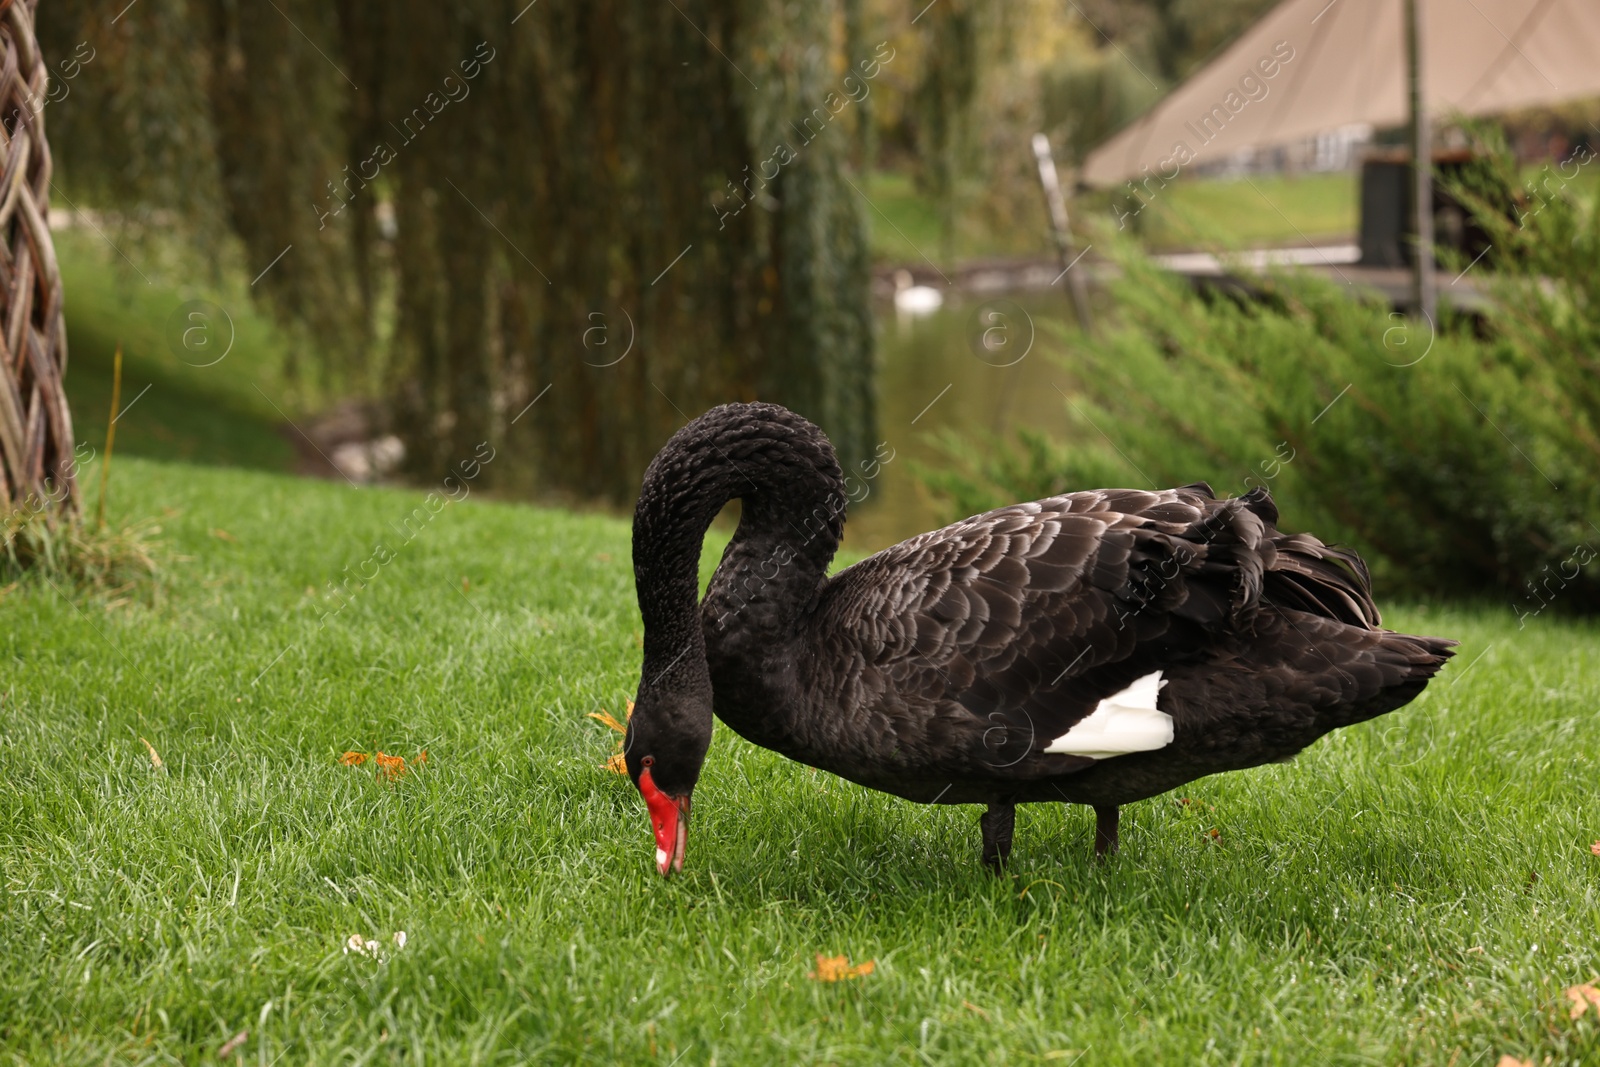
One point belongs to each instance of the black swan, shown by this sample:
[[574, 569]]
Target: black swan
[[1096, 647]]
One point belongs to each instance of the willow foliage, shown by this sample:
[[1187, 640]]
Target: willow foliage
[[485, 204]]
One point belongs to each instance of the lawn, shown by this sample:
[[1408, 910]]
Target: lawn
[[1260, 211], [205, 402], [1253, 212], [1415, 890]]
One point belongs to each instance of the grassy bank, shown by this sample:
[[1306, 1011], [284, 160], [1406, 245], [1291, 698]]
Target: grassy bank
[[197, 402], [1414, 890]]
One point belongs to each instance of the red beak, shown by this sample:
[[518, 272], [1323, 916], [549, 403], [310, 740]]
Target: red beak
[[670, 818]]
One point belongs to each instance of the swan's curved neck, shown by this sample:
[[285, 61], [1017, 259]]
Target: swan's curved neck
[[791, 490]]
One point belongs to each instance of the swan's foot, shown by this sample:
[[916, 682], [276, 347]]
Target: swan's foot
[[997, 824], [1105, 831]]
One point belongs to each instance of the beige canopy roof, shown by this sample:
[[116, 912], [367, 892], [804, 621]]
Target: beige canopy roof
[[1310, 66]]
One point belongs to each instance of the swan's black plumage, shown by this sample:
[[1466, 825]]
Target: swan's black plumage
[[941, 668]]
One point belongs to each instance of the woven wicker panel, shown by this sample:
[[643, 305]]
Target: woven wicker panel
[[35, 426]]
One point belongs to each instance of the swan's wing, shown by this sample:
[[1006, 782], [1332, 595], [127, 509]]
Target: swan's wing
[[999, 636]]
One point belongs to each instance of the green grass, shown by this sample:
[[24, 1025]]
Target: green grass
[[902, 224], [198, 414], [1261, 211], [1414, 890], [1267, 210]]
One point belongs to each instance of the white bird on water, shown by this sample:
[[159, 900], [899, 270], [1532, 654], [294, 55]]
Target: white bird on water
[[915, 299]]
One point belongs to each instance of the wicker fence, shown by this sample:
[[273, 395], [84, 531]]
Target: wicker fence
[[36, 446]]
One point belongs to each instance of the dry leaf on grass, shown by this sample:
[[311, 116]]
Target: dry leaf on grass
[[224, 535], [1509, 1060], [1595, 848], [390, 767], [616, 764], [230, 1046], [837, 968], [605, 717], [155, 758], [1582, 996], [393, 766]]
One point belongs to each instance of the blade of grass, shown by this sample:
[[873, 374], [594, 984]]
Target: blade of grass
[[111, 437]]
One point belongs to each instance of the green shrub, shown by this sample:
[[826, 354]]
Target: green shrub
[[1455, 464], [1540, 269]]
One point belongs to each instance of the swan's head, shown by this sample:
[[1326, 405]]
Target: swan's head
[[786, 473], [668, 735]]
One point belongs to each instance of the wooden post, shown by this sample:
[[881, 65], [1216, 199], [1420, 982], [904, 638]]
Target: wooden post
[[1057, 206], [1424, 292], [36, 447]]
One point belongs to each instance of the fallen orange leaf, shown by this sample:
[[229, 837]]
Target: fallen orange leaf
[[1582, 996], [615, 764], [1595, 848], [353, 759], [155, 760], [605, 717], [1509, 1060], [422, 757], [393, 766], [837, 968]]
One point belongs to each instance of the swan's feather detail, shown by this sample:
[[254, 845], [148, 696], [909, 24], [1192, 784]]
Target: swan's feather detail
[[985, 651], [1123, 722]]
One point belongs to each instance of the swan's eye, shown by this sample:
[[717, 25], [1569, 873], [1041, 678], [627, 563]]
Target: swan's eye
[[648, 761]]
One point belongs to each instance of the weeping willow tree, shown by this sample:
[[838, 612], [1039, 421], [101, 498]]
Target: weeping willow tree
[[619, 213], [968, 108], [956, 41]]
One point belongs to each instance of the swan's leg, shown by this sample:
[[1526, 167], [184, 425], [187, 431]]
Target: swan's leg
[[997, 824], [1105, 831]]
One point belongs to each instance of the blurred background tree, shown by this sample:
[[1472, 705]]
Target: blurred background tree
[[455, 194]]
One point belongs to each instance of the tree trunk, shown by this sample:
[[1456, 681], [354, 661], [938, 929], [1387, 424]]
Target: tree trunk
[[36, 447]]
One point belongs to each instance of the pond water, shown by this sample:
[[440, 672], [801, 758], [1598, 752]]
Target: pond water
[[977, 368]]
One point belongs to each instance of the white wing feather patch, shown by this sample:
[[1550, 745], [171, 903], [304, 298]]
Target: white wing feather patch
[[1121, 723]]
